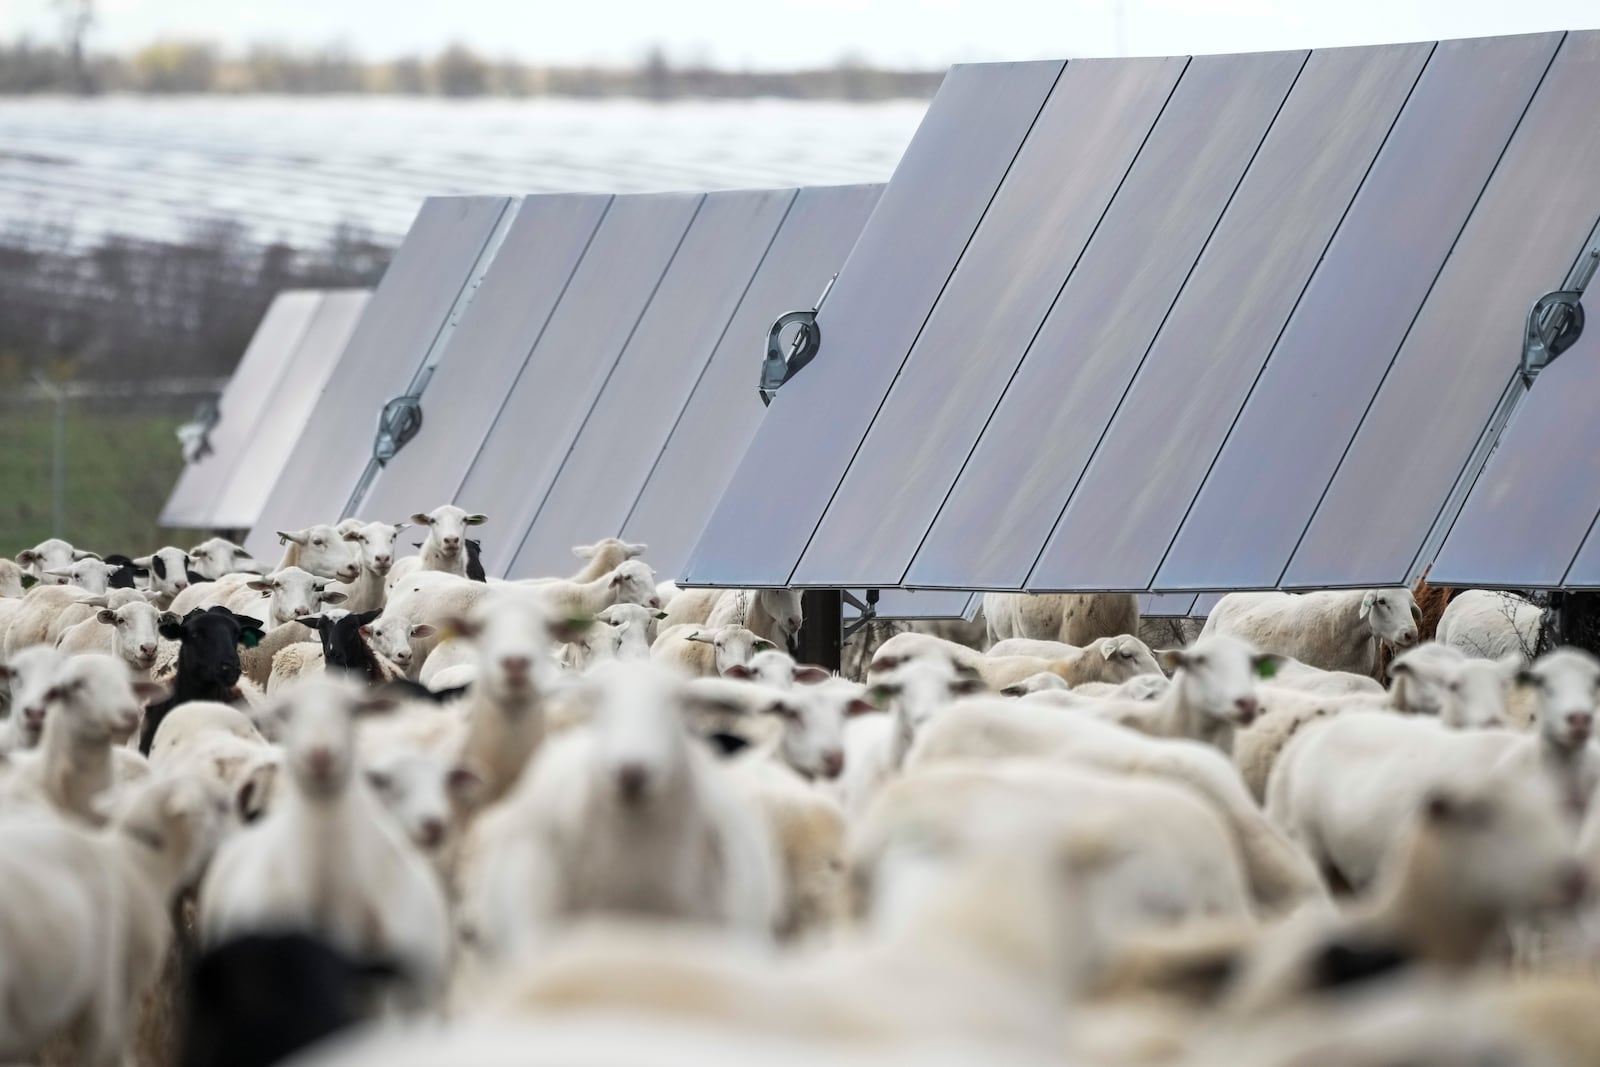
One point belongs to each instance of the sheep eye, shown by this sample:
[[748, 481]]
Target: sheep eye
[[1197, 661], [319, 543]]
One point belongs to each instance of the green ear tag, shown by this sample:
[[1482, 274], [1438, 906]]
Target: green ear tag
[[29, 581], [250, 638], [1266, 668]]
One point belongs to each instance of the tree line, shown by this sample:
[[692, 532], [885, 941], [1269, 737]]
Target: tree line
[[123, 309], [455, 71]]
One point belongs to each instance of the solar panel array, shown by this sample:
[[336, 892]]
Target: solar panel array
[[593, 367], [439, 262], [265, 408], [1176, 325]]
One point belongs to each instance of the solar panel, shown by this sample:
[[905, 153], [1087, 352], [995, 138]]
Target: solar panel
[[1041, 218], [1536, 501], [1438, 397], [1173, 419], [1042, 434], [907, 605], [410, 308], [1365, 295], [952, 167], [265, 360], [544, 408], [723, 413], [487, 351], [239, 499], [1166, 605], [616, 445]]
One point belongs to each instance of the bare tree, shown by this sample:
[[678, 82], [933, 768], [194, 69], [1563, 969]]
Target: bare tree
[[77, 19]]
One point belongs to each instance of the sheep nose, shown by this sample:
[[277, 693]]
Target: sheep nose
[[516, 667], [301, 613], [34, 715], [147, 651], [655, 603], [632, 778], [320, 760], [452, 543], [181, 586], [382, 561], [832, 763], [1248, 707], [431, 833], [1580, 723]]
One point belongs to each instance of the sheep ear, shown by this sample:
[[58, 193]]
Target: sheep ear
[[167, 618], [635, 551], [422, 631], [616, 579], [811, 675], [107, 616], [583, 551], [143, 561], [260, 585], [250, 637], [1266, 663], [1416, 614], [1366, 606], [1524, 676], [1017, 690], [885, 663], [79, 555], [149, 691], [859, 706], [765, 646], [1172, 658], [334, 598], [95, 601], [172, 631], [310, 622], [353, 535], [700, 638], [27, 557], [464, 784], [739, 671], [299, 537], [476, 520], [1402, 668], [1444, 809], [58, 573], [968, 686]]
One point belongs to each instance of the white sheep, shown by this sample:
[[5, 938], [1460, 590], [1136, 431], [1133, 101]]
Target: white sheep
[[772, 614], [97, 927], [291, 594], [777, 670], [302, 659], [213, 558], [49, 555], [813, 719], [914, 691], [375, 542], [604, 556], [624, 814], [1566, 685], [631, 582], [636, 626], [11, 583], [41, 610], [412, 624], [1072, 618], [168, 571], [1336, 630], [1213, 690], [92, 707], [327, 858], [1290, 673], [426, 794], [130, 632], [1493, 625], [708, 652], [27, 677], [445, 548], [219, 743], [92, 575], [1281, 876]]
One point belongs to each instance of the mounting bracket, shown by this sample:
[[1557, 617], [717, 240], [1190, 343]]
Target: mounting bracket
[[398, 423], [778, 366], [868, 611]]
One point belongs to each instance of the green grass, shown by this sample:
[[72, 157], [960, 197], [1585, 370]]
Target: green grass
[[119, 471]]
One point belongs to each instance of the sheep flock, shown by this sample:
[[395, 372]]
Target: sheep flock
[[359, 807]]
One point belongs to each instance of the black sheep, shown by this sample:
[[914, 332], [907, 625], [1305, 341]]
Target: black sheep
[[208, 662]]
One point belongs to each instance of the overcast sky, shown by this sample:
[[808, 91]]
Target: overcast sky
[[790, 33]]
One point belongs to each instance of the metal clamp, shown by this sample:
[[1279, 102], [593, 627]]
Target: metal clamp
[[868, 611], [1555, 322], [398, 423], [780, 366], [194, 436]]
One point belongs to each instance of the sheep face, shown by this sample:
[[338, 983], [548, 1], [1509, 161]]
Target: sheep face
[[641, 747], [324, 552], [1144, 687], [635, 583], [295, 594], [51, 555], [169, 571], [735, 646], [393, 636], [214, 558], [210, 642], [137, 627], [630, 625], [778, 670], [97, 700], [622, 549], [513, 634], [319, 735], [1216, 677], [1566, 683], [918, 689], [30, 674], [1126, 657], [375, 542], [1506, 843], [1392, 615], [813, 725], [91, 575], [420, 790], [447, 528], [1476, 691], [1420, 679], [784, 607]]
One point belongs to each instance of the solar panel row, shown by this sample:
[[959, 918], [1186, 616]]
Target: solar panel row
[[1224, 322], [264, 408]]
